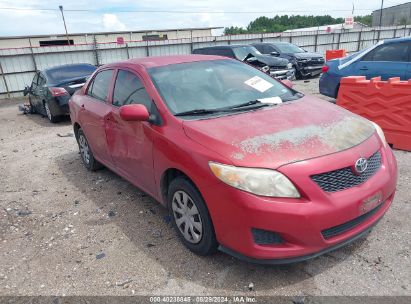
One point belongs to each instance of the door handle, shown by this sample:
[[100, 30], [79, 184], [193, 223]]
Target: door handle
[[82, 105], [364, 69]]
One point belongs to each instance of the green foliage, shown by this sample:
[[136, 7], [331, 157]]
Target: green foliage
[[367, 20], [282, 23]]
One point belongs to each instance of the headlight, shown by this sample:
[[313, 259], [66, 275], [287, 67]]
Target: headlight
[[380, 133], [265, 68], [289, 66], [263, 182]]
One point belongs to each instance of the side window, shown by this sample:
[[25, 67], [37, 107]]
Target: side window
[[100, 85], [260, 48], [129, 89], [269, 49], [390, 52]]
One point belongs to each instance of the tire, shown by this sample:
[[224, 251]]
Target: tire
[[337, 90], [298, 75], [200, 242], [53, 118], [86, 154]]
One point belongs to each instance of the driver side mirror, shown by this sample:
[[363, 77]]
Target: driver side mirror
[[287, 83], [26, 90], [275, 53], [134, 112]]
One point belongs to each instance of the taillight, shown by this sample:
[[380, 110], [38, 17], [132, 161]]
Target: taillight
[[56, 92], [325, 69]]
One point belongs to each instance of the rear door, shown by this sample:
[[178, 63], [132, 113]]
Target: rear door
[[387, 60], [94, 111], [130, 142], [41, 92]]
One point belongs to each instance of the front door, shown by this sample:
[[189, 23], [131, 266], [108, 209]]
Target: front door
[[387, 60], [130, 142]]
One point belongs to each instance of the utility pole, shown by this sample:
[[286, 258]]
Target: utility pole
[[382, 6], [64, 21]]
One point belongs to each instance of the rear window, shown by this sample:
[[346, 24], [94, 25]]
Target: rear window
[[60, 74]]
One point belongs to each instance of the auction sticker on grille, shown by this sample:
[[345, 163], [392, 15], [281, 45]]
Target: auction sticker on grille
[[370, 203], [258, 83]]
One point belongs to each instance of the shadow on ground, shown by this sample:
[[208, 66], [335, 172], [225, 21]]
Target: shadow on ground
[[152, 234]]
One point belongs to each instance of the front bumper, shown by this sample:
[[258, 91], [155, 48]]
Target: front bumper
[[328, 84], [310, 70], [59, 105], [300, 222], [283, 74]]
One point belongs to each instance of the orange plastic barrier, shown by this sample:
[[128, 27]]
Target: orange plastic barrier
[[387, 103], [333, 54]]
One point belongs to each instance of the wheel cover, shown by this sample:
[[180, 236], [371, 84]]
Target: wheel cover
[[48, 112], [187, 217], [84, 149]]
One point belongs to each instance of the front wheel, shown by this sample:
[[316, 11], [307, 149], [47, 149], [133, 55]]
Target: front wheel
[[191, 219]]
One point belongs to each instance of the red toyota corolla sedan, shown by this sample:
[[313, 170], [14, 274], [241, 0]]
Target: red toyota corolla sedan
[[244, 163]]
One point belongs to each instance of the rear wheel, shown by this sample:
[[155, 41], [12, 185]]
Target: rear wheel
[[190, 216], [86, 154], [53, 118]]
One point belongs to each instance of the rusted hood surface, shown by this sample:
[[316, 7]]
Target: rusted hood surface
[[272, 137]]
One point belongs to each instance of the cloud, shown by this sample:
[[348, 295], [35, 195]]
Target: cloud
[[111, 23], [110, 15]]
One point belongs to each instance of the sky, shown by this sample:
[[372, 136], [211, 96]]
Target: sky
[[115, 15]]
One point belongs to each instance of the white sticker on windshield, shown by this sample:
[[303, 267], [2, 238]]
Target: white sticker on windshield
[[271, 100], [258, 83]]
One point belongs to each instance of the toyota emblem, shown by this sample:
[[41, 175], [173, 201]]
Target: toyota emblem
[[361, 165]]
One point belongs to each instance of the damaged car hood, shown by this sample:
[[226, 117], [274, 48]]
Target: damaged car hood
[[275, 136], [271, 61]]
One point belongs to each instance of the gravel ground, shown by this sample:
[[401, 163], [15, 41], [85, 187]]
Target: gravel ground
[[67, 231]]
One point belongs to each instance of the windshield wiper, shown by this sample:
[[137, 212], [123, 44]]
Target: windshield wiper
[[196, 112], [243, 106]]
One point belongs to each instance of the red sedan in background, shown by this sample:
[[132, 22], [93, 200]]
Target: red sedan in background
[[244, 163]]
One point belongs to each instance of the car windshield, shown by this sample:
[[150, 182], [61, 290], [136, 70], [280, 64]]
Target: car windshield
[[216, 84], [60, 74], [242, 52], [289, 48]]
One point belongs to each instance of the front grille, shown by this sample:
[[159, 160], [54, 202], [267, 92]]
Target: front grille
[[278, 68], [316, 61], [336, 230], [345, 178]]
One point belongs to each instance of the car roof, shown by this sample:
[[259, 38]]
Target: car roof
[[232, 46], [64, 66], [274, 42], [395, 40], [156, 61]]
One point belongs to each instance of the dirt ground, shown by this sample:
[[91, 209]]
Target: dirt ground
[[67, 231]]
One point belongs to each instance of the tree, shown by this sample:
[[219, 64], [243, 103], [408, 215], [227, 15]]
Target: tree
[[282, 23]]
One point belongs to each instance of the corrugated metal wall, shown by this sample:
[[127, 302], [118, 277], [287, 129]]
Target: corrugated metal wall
[[17, 66]]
